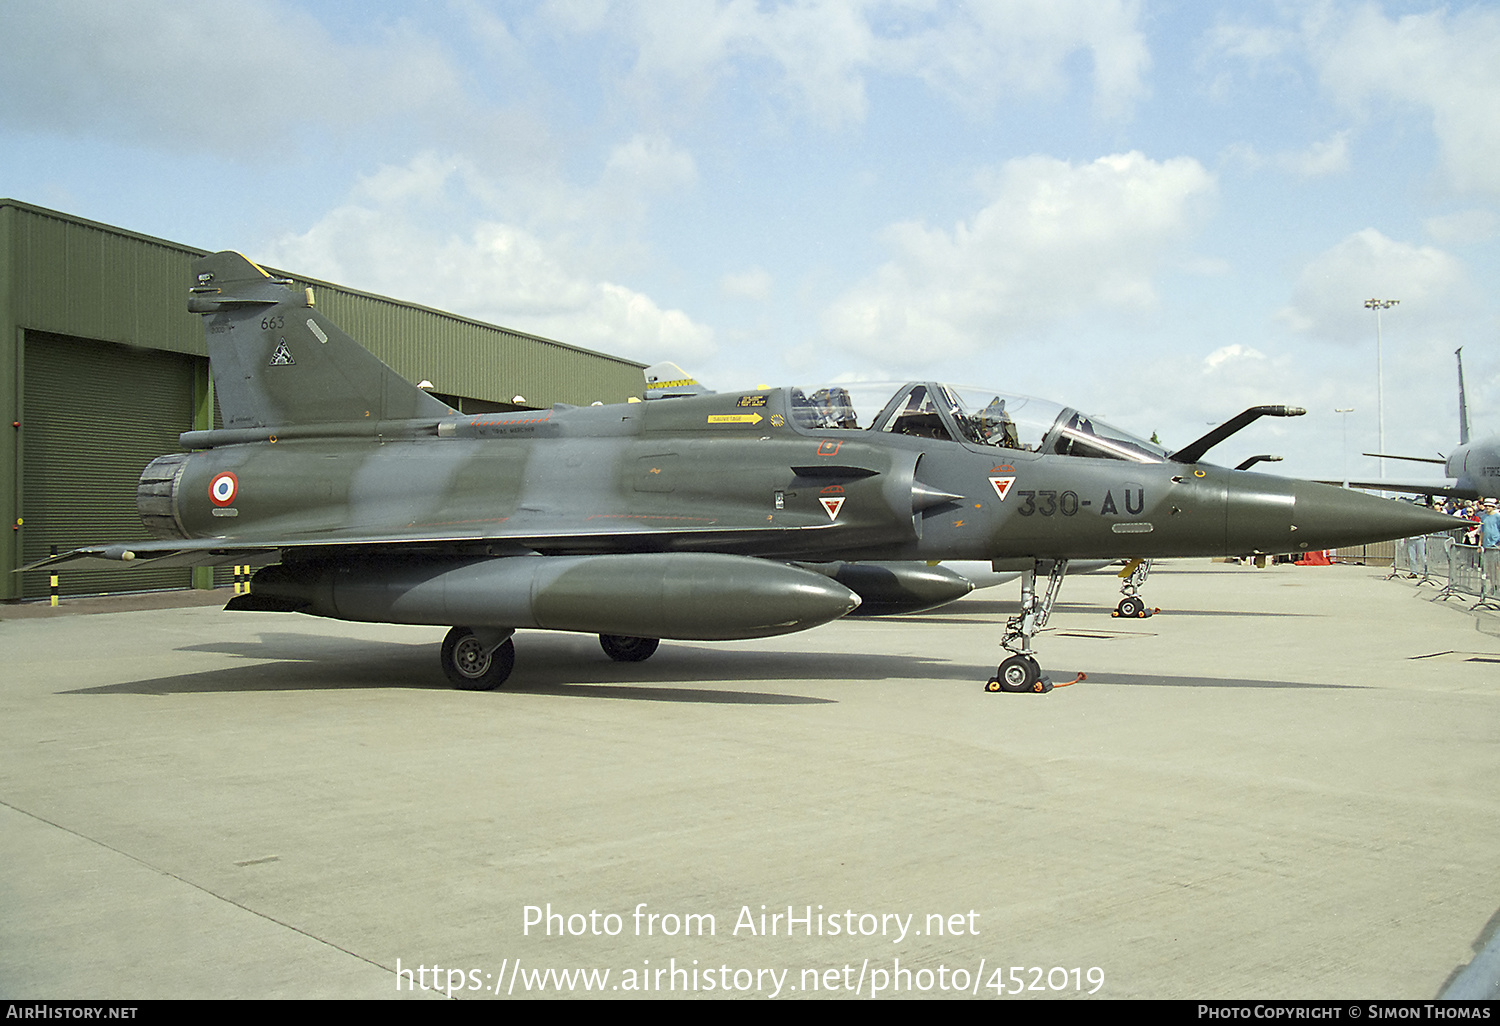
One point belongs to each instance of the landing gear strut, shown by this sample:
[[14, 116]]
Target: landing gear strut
[[1134, 575], [1020, 671]]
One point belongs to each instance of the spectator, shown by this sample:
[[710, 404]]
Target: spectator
[[1471, 513]]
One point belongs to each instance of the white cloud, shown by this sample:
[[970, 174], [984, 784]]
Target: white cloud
[[1257, 44], [652, 162], [489, 31], [818, 52], [1328, 299], [1325, 157], [1057, 239], [1234, 357], [1202, 391], [1464, 227], [1439, 62], [985, 50], [821, 54], [422, 232], [643, 167], [754, 284], [1442, 62], [230, 78]]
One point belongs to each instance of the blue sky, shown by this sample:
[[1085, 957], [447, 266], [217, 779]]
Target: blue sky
[[1161, 212]]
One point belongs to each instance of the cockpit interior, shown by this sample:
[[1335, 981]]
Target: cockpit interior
[[925, 409]]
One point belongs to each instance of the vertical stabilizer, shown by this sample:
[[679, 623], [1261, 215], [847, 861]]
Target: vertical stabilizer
[[277, 362], [1463, 400]]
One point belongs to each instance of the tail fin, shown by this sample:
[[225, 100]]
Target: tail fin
[[276, 362], [1463, 400]]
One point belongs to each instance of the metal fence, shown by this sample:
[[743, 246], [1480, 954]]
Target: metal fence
[[1467, 570], [1374, 554]]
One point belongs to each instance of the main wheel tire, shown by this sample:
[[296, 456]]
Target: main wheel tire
[[469, 667], [1018, 673], [1131, 606], [624, 649]]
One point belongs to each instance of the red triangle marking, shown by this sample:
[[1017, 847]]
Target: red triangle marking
[[833, 506], [1002, 485]]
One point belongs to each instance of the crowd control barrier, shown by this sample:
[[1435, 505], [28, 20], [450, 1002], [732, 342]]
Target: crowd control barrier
[[1467, 570]]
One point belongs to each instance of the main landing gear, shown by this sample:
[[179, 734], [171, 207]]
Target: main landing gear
[[627, 650], [1020, 671], [481, 658], [1134, 575], [478, 658]]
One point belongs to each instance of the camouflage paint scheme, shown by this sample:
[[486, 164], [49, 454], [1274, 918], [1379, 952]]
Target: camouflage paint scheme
[[677, 518]]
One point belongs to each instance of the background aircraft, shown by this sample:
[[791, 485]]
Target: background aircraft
[[373, 501], [1473, 468]]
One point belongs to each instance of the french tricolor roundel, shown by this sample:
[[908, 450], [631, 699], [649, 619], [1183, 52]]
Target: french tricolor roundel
[[222, 488]]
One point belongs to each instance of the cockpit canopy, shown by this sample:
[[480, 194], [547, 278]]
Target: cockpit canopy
[[975, 416]]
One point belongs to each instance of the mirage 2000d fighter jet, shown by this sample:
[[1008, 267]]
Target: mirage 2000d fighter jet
[[371, 500]]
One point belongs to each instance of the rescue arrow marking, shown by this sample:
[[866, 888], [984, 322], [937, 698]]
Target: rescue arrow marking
[[832, 506], [735, 418], [1002, 485]]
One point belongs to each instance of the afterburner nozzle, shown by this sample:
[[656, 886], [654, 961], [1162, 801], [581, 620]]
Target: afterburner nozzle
[[1271, 514]]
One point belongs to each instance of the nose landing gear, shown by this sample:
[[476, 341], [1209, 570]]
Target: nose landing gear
[[1134, 575], [1020, 671]]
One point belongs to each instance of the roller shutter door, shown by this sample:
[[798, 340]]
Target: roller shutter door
[[94, 415]]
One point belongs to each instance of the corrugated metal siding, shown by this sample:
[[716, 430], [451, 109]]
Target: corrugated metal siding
[[96, 414], [87, 281], [93, 281], [466, 358], [76, 279]]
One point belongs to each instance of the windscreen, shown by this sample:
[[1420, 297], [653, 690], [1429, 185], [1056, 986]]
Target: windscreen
[[964, 413]]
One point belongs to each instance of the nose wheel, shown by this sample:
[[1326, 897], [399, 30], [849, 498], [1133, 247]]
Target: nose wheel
[[1019, 673]]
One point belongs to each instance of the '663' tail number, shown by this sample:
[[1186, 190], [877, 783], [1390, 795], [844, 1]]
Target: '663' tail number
[[1047, 503]]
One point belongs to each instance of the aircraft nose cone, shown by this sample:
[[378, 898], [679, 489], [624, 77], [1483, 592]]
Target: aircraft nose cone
[[1339, 516], [1270, 514]]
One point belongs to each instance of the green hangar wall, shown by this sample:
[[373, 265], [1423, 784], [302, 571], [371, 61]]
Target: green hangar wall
[[102, 366]]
